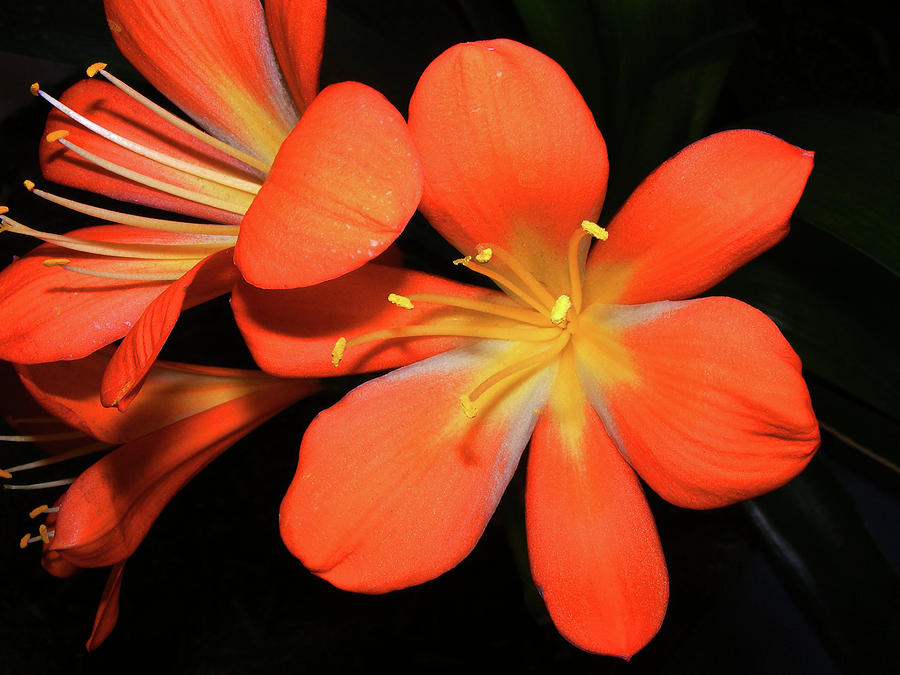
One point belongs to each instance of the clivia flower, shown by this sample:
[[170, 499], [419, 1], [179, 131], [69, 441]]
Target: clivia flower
[[295, 186], [595, 354], [186, 417]]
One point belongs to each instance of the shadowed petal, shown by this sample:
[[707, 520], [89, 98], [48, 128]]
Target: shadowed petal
[[108, 609], [510, 151], [710, 408], [395, 484], [708, 210], [343, 186], [213, 59], [595, 554], [297, 29]]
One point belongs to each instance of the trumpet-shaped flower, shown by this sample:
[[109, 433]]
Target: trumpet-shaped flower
[[187, 417], [594, 353], [294, 186]]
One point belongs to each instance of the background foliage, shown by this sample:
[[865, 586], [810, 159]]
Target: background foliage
[[802, 580]]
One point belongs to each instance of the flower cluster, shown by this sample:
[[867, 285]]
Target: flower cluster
[[577, 340]]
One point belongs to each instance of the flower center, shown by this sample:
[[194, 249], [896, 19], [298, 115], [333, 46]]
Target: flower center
[[534, 316]]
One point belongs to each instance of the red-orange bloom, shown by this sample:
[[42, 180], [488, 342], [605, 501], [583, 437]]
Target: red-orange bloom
[[594, 354], [294, 186], [186, 417]]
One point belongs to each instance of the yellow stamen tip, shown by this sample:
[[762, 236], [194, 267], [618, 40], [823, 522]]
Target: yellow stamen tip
[[5, 474], [56, 262], [34, 89], [560, 308], [463, 261], [29, 185], [95, 68], [400, 301], [338, 352], [34, 513], [56, 135], [42, 531], [23, 542], [484, 255], [4, 209], [594, 230], [467, 406]]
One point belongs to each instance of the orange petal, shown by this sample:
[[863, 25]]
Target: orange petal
[[109, 508], [511, 153], [297, 29], [108, 609], [595, 554], [395, 484], [705, 212], [107, 106], [213, 59], [711, 407], [49, 313], [343, 186], [291, 333], [211, 277], [170, 392]]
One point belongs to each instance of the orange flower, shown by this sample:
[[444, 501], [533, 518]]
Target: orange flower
[[594, 354], [187, 417], [296, 187]]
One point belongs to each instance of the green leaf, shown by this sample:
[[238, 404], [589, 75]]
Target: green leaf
[[854, 190], [834, 568]]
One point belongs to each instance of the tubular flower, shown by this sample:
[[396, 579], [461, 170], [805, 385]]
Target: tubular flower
[[293, 186], [187, 417], [594, 354]]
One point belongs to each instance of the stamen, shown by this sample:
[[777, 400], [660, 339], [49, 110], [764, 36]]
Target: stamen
[[34, 513], [45, 536], [235, 182], [124, 276], [199, 134], [515, 313], [576, 259], [160, 224], [88, 449], [40, 486], [121, 250], [338, 352], [503, 282], [534, 361], [162, 186], [400, 301], [484, 255], [24, 541], [37, 438], [5, 474], [463, 261], [560, 308], [535, 286]]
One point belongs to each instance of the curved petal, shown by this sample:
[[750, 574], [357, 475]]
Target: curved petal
[[213, 59], [511, 153], [395, 484], [107, 511], [297, 29], [50, 313], [209, 278], [343, 186], [108, 609], [711, 408], [595, 554], [105, 105], [708, 210], [291, 333], [69, 390]]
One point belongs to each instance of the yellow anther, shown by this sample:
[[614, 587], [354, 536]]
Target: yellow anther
[[56, 135], [42, 531], [594, 230], [4, 209], [338, 352], [5, 474], [56, 262], [34, 513], [23, 542], [560, 308], [484, 255], [463, 261], [95, 68], [400, 301], [34, 89], [467, 406], [29, 185]]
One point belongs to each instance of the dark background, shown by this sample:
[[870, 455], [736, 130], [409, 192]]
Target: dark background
[[800, 581]]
